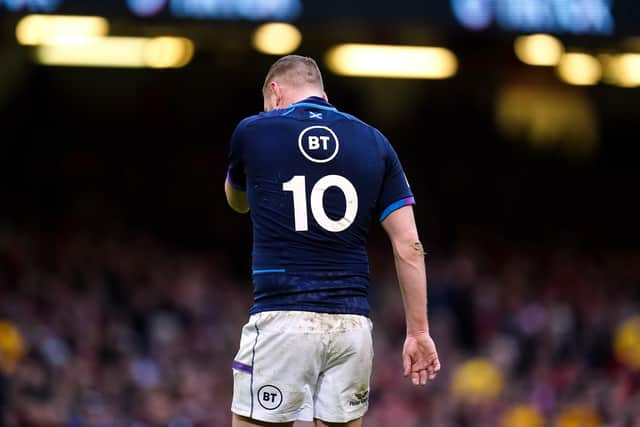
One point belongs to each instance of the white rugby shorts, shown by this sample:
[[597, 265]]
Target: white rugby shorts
[[298, 365]]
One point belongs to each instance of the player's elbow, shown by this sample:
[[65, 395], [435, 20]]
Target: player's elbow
[[408, 249]]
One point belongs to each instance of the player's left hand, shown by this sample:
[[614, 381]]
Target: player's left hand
[[420, 358]]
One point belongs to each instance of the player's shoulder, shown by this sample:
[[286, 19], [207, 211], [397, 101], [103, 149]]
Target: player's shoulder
[[375, 131], [355, 120], [247, 121], [374, 135], [256, 119]]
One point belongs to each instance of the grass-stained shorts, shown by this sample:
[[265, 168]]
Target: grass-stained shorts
[[298, 365]]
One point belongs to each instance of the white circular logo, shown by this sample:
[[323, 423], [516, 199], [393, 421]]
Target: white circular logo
[[318, 144], [269, 397]]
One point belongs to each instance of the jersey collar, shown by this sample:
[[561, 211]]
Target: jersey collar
[[314, 102]]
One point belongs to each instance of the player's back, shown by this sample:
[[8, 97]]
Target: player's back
[[315, 180]]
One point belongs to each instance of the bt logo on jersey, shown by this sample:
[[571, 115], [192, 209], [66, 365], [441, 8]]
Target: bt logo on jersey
[[314, 142], [318, 144]]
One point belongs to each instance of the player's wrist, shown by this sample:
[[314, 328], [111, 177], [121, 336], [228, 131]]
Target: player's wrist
[[415, 332]]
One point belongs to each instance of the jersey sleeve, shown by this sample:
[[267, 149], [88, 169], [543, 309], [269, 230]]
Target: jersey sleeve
[[395, 191], [236, 176]]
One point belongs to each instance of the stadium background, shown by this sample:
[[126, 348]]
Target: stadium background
[[124, 276]]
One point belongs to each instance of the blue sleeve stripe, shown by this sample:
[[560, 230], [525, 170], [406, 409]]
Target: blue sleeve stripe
[[234, 185], [395, 206], [269, 270]]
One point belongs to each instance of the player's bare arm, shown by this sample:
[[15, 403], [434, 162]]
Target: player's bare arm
[[420, 358], [237, 199]]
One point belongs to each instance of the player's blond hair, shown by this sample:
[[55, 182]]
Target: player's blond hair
[[295, 70]]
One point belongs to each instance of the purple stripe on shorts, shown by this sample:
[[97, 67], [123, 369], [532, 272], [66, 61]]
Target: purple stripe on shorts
[[242, 367]]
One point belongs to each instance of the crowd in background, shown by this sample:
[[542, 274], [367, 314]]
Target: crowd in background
[[111, 332], [125, 329]]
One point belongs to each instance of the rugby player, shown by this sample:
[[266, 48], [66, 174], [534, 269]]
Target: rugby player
[[314, 179]]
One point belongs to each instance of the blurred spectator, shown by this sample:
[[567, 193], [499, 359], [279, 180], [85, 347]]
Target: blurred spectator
[[3, 399], [131, 332]]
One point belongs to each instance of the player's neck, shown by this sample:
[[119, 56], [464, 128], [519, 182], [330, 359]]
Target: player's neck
[[302, 95]]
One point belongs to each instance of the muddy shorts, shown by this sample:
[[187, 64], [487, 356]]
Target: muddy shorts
[[298, 365]]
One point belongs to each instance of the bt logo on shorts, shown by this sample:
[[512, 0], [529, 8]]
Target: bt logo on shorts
[[318, 144], [269, 397]]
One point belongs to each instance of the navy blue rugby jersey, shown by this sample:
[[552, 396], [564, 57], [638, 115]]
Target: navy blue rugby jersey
[[315, 179]]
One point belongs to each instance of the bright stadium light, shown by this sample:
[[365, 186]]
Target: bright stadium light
[[168, 52], [276, 38], [539, 49], [579, 69], [132, 52], [622, 70], [407, 62], [60, 29]]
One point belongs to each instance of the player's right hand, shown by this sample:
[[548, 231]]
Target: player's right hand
[[420, 358]]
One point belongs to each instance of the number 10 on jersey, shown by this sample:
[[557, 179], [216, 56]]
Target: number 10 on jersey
[[298, 186]]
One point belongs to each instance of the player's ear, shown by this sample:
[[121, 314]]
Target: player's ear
[[277, 92]]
